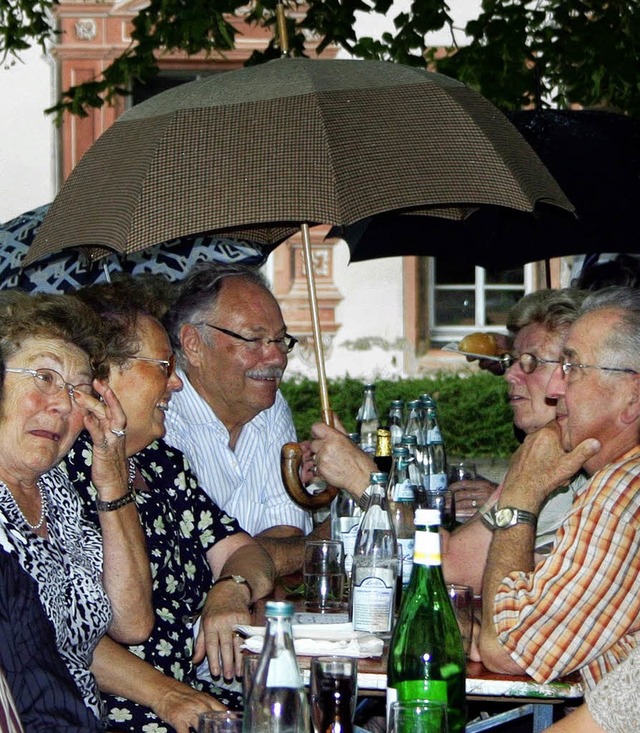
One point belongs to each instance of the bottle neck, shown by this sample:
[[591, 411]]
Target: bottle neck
[[427, 551]]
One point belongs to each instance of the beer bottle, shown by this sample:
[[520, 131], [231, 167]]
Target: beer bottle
[[426, 657]]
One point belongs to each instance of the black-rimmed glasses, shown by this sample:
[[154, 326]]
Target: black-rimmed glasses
[[284, 344], [528, 362], [50, 382], [168, 365], [567, 366]]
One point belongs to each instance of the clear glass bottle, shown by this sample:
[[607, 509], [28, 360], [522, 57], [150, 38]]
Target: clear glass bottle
[[396, 421], [414, 424], [277, 700], [415, 466], [367, 419], [375, 565], [401, 501], [345, 521], [426, 657], [435, 463]]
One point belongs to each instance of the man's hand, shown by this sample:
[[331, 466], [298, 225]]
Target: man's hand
[[470, 495], [227, 604], [541, 465], [340, 462]]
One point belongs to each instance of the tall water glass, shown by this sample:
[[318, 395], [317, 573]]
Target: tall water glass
[[220, 721], [324, 576]]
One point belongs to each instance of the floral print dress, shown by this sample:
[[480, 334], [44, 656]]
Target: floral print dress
[[181, 524]]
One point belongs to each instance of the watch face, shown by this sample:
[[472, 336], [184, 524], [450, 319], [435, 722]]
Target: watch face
[[239, 578], [504, 517]]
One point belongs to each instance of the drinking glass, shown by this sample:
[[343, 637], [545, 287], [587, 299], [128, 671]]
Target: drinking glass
[[417, 716], [249, 666], [462, 471], [324, 576], [220, 721], [333, 691], [463, 605]]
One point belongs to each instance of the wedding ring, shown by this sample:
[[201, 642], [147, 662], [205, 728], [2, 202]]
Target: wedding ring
[[119, 433], [474, 503]]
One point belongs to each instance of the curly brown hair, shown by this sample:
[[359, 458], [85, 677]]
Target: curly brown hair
[[24, 316], [119, 305]]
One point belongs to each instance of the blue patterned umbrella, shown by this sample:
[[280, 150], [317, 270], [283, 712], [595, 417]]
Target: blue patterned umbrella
[[70, 270]]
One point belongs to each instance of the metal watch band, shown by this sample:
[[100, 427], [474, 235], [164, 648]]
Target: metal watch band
[[238, 580], [111, 506], [508, 516]]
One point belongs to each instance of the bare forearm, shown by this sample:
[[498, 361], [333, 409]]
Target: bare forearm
[[254, 563], [287, 552], [127, 575], [465, 554], [120, 672]]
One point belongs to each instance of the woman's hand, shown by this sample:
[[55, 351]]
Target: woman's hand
[[106, 422]]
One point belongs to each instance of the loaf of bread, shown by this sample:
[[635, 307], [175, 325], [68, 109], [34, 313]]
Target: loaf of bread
[[483, 344]]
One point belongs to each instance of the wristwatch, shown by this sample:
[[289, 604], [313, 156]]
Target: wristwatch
[[238, 580], [507, 516]]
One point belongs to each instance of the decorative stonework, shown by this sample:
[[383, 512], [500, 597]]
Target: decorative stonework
[[85, 29]]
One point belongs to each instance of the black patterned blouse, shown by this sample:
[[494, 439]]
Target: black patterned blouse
[[181, 524]]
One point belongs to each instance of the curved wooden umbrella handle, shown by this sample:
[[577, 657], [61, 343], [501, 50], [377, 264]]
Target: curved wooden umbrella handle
[[291, 460], [291, 454]]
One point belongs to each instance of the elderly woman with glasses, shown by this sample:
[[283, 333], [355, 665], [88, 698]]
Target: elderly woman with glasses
[[88, 585], [204, 567]]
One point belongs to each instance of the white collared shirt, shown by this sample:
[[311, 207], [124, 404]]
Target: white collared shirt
[[246, 482]]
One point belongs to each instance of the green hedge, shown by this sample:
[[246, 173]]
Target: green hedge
[[474, 416]]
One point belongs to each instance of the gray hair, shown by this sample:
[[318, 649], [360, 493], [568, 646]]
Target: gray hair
[[198, 295], [621, 345], [553, 309]]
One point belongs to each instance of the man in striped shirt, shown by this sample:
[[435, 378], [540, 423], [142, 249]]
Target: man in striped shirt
[[230, 419], [578, 609]]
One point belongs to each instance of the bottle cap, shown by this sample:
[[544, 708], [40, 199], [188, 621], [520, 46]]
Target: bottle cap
[[409, 440], [278, 608], [427, 517], [379, 477], [400, 450]]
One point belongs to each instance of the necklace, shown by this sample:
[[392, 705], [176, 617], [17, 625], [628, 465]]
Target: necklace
[[44, 507]]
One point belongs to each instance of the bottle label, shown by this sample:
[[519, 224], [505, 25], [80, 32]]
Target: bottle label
[[434, 435], [435, 481], [373, 596], [283, 671], [427, 549], [348, 534], [403, 491], [407, 545], [421, 690]]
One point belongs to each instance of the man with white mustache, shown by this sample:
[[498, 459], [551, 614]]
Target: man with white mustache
[[230, 418]]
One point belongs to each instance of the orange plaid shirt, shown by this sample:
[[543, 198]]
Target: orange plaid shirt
[[579, 609]]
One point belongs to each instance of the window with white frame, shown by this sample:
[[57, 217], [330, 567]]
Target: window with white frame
[[464, 298]]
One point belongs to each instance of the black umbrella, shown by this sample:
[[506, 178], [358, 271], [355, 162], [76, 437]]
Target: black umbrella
[[593, 155]]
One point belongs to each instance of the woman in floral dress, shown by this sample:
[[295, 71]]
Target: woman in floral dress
[[194, 548]]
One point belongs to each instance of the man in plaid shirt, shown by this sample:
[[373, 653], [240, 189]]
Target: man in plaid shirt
[[578, 609]]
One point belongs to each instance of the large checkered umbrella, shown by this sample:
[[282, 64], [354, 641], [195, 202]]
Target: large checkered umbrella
[[263, 151]]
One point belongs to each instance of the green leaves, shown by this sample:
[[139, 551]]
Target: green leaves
[[551, 52]]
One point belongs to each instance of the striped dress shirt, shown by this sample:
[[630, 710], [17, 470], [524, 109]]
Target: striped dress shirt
[[579, 609], [246, 482]]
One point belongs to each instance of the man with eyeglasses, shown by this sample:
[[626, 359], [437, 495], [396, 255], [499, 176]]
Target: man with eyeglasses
[[579, 609], [230, 418]]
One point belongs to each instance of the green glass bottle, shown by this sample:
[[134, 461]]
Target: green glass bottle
[[426, 657]]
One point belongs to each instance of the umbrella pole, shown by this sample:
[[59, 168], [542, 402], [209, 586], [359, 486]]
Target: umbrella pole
[[327, 415]]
